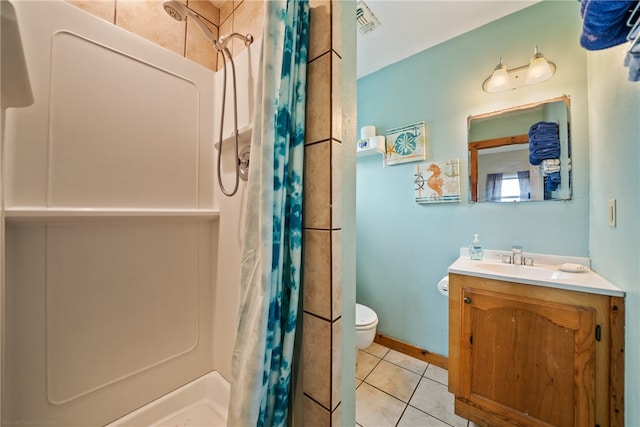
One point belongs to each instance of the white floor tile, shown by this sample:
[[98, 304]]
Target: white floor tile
[[387, 379], [433, 398], [365, 364], [412, 417], [393, 379], [438, 374], [377, 350], [411, 363], [375, 408]]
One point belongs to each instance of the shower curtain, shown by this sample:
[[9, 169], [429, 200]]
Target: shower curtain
[[271, 255]]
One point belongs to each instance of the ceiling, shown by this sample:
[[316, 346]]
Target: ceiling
[[411, 26]]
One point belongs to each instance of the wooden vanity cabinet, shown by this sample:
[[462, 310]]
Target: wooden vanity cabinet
[[525, 355]]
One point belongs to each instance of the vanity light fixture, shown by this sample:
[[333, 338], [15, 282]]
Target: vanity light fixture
[[538, 70]]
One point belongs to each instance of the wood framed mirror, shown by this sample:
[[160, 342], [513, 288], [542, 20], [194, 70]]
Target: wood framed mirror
[[521, 154]]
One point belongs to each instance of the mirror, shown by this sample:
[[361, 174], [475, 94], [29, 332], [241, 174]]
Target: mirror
[[521, 154]]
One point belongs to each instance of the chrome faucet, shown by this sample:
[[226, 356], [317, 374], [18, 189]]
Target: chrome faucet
[[516, 256]]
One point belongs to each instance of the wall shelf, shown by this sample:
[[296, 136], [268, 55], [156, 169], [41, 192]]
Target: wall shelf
[[244, 137], [50, 215], [366, 152]]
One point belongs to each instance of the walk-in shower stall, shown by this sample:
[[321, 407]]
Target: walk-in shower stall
[[120, 253]]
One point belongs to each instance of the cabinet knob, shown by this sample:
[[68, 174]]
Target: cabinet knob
[[467, 300]]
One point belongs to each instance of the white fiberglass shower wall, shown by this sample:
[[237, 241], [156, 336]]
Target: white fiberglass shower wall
[[121, 256]]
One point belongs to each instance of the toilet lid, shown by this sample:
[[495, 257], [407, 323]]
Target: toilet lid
[[364, 315]]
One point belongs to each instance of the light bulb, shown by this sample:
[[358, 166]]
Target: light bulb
[[499, 80], [539, 69]]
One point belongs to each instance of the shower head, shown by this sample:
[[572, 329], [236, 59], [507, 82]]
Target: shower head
[[179, 12], [176, 10]]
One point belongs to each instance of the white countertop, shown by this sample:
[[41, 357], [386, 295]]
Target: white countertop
[[545, 272]]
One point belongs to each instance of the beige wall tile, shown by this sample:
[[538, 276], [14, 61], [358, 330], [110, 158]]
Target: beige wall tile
[[316, 366], [317, 186], [206, 9], [199, 47], [148, 20], [336, 185], [315, 415], [317, 273], [226, 10], [336, 97], [336, 363], [336, 417], [318, 99], [247, 18], [104, 9], [319, 28], [336, 274]]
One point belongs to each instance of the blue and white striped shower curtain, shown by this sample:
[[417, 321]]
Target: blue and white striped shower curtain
[[271, 255]]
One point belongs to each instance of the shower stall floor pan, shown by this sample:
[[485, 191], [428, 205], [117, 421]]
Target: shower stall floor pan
[[202, 402]]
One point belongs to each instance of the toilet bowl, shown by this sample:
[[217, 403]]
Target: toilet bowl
[[366, 323]]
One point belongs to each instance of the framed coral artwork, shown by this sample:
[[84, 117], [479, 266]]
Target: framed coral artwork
[[437, 182], [405, 144]]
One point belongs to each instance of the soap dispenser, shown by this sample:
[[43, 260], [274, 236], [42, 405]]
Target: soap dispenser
[[475, 249]]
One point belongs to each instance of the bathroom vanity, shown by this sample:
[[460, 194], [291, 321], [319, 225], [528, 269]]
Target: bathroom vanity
[[535, 346]]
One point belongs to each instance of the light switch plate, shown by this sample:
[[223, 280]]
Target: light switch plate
[[612, 212]]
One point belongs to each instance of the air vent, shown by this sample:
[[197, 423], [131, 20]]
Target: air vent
[[367, 21]]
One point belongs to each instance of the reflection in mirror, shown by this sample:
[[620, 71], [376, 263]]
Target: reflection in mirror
[[521, 154]]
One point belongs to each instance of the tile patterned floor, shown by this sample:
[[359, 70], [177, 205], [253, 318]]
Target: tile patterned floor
[[393, 389]]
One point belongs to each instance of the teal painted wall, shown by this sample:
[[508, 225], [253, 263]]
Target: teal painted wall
[[403, 249], [614, 123]]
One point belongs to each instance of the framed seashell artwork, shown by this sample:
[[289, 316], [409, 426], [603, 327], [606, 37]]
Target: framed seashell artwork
[[437, 182], [405, 144]]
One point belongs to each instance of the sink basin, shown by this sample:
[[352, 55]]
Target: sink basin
[[533, 272], [546, 272]]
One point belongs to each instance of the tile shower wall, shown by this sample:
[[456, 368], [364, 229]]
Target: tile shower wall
[[322, 325], [322, 287], [148, 20]]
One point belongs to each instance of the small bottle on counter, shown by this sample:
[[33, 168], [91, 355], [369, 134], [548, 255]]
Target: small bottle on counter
[[475, 249]]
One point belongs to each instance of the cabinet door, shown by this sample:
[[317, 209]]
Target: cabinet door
[[531, 361]]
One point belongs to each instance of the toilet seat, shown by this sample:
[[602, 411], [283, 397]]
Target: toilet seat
[[365, 317]]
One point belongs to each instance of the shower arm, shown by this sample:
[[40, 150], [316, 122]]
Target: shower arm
[[221, 43], [224, 40]]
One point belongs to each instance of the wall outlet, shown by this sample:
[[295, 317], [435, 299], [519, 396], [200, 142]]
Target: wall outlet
[[612, 212]]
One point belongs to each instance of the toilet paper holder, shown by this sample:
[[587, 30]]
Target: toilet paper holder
[[443, 285]]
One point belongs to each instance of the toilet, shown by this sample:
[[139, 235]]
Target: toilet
[[366, 323]]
